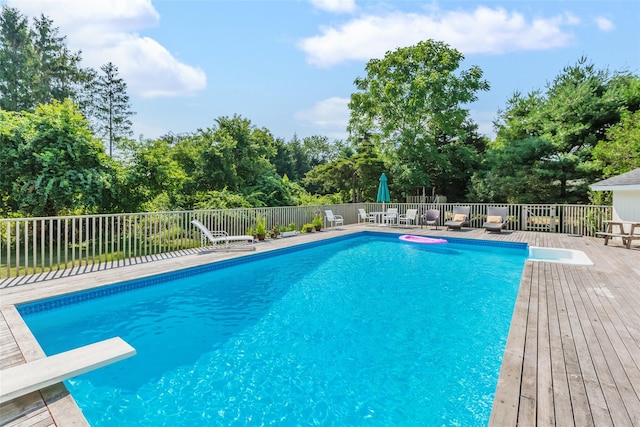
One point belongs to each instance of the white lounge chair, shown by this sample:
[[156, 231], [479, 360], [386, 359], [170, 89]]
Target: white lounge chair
[[365, 217], [409, 217], [222, 239], [333, 219]]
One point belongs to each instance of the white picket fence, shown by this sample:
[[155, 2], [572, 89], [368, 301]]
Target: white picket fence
[[94, 242]]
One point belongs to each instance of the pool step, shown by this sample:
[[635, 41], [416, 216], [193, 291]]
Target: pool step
[[26, 378]]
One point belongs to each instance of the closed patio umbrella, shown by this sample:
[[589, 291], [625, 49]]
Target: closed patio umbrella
[[383, 190]]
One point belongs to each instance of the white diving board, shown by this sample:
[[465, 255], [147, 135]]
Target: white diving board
[[31, 376]]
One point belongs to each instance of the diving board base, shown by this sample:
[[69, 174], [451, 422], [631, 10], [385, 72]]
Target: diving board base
[[32, 376]]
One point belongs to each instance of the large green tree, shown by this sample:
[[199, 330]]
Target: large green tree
[[232, 157], [552, 135], [16, 61], [59, 74], [36, 67], [412, 103], [620, 151], [50, 162], [155, 179], [232, 154]]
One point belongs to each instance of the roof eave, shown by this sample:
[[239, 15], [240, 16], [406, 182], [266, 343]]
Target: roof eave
[[635, 187]]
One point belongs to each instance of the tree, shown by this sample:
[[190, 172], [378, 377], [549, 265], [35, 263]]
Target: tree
[[354, 178], [510, 170], [111, 109], [35, 65], [16, 61], [567, 121], [284, 159], [291, 159], [242, 150], [411, 104], [514, 173], [319, 150], [232, 157], [154, 174], [297, 157], [520, 119], [576, 112], [50, 162], [620, 151], [60, 75]]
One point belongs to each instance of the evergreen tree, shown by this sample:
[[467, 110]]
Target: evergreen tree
[[16, 57], [35, 65], [60, 73], [111, 108], [546, 141]]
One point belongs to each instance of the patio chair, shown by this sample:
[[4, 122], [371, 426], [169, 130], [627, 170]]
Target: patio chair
[[365, 217], [496, 219], [460, 218], [222, 239], [333, 219], [391, 217], [430, 217], [409, 217]]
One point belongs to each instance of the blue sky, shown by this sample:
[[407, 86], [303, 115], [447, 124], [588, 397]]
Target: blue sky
[[289, 65]]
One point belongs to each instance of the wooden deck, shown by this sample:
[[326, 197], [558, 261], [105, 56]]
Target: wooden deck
[[572, 356]]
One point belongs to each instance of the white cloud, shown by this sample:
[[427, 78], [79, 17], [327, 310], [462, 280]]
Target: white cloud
[[335, 6], [483, 30], [150, 68], [112, 15], [330, 115], [604, 24], [106, 31]]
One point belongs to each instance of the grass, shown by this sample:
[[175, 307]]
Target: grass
[[86, 253]]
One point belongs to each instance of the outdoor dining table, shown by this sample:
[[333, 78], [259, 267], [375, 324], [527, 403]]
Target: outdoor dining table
[[380, 217], [616, 228]]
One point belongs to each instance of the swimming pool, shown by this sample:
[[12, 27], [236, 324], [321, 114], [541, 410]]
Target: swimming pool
[[365, 329]]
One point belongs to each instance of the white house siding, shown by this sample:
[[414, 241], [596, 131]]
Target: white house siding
[[626, 205]]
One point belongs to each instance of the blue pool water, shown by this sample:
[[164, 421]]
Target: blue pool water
[[365, 330]]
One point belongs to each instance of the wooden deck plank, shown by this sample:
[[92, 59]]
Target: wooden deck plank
[[627, 345], [529, 382], [19, 411], [618, 389], [596, 374], [595, 405], [545, 415], [569, 390], [507, 395], [10, 354]]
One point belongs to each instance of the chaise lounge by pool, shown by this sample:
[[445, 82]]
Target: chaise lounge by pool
[[364, 329]]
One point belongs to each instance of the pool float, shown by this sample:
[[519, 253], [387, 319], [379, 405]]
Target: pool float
[[421, 239]]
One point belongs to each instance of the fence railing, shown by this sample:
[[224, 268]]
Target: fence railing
[[584, 220], [94, 242]]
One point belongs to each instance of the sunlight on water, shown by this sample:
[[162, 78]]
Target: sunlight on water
[[364, 331]]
